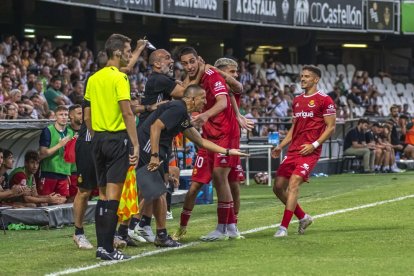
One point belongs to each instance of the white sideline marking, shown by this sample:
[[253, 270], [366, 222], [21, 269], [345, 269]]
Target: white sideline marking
[[159, 251]]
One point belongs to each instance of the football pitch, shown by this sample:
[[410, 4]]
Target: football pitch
[[363, 226]]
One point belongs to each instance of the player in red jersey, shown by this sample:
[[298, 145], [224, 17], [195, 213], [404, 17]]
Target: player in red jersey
[[236, 174], [314, 116], [219, 124]]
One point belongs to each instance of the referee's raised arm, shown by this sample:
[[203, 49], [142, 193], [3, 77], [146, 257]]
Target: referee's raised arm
[[111, 119]]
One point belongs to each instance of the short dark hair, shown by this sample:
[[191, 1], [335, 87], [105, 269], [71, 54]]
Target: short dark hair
[[7, 153], [313, 69], [31, 155], [61, 108], [115, 42], [73, 107], [187, 50], [363, 121]]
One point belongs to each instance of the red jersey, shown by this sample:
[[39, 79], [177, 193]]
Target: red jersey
[[308, 118], [223, 124]]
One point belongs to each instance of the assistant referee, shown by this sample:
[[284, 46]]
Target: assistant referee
[[112, 123]]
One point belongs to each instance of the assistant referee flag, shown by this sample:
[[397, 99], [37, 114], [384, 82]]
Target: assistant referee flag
[[128, 205]]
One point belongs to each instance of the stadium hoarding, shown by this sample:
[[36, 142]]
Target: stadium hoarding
[[380, 16], [194, 8], [139, 5], [335, 14], [267, 11], [407, 17]]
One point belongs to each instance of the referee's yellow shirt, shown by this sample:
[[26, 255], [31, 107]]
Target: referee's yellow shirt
[[104, 90]]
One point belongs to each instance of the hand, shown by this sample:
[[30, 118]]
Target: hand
[[133, 158], [276, 151], [64, 141], [238, 153], [245, 123], [56, 199], [306, 149], [179, 82], [26, 191], [17, 190], [141, 44], [155, 106], [153, 164], [199, 120]]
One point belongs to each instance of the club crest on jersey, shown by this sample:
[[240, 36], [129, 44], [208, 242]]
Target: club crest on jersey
[[185, 124], [311, 103], [195, 171]]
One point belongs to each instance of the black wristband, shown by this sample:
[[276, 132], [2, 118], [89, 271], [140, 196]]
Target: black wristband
[[227, 152], [155, 154]]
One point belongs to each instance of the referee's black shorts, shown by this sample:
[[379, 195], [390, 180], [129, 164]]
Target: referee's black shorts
[[85, 166], [110, 151]]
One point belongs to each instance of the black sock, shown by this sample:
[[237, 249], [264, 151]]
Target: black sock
[[145, 221], [133, 223], [99, 223], [123, 231], [110, 220], [79, 231], [162, 233]]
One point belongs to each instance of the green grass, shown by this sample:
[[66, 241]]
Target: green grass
[[370, 241]]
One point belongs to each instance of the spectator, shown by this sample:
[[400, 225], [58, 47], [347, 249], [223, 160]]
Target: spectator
[[355, 144], [23, 177], [76, 97], [12, 109], [53, 95], [6, 84]]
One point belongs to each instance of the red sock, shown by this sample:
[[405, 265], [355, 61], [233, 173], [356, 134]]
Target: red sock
[[236, 217], [232, 217], [223, 211], [185, 216], [299, 213], [287, 216]]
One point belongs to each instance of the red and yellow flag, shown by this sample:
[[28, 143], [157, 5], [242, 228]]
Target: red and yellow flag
[[128, 204]]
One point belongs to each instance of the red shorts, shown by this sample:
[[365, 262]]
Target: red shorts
[[298, 165], [73, 185], [51, 185], [237, 173], [206, 161]]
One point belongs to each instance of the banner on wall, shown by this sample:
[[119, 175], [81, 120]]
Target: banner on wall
[[139, 5], [199, 8], [337, 14], [266, 11], [380, 16]]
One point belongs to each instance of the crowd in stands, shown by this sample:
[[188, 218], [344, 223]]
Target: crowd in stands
[[37, 78]]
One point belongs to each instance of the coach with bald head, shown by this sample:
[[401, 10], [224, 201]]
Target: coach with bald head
[[160, 85]]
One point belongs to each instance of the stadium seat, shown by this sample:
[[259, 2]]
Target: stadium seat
[[322, 67], [386, 81], [296, 69], [376, 81], [350, 67], [331, 69], [410, 87], [289, 69], [340, 68]]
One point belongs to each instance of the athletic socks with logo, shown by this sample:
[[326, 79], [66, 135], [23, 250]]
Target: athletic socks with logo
[[79, 231], [299, 213], [99, 223], [162, 233], [110, 220]]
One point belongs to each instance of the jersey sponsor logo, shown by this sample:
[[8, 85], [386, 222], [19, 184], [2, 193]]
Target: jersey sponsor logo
[[311, 103], [297, 104], [186, 123], [195, 171], [331, 109], [303, 114], [223, 161], [218, 85]]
